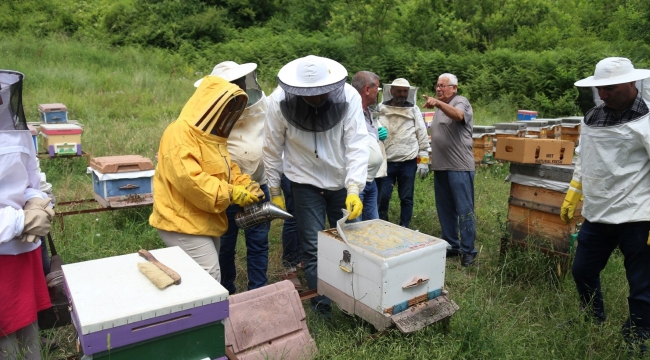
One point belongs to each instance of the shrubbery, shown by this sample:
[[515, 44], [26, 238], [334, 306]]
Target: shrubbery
[[521, 53]]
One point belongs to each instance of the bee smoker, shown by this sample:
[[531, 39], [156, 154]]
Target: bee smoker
[[259, 213]]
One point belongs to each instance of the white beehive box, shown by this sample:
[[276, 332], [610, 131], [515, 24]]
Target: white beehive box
[[389, 268]]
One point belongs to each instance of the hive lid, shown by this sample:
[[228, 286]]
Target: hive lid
[[534, 123], [510, 126], [72, 128], [111, 292], [562, 173], [527, 112], [52, 107], [32, 129], [552, 122], [385, 239], [572, 120], [483, 129], [121, 163]]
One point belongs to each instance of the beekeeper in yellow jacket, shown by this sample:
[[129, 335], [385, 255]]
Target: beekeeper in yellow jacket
[[195, 181]]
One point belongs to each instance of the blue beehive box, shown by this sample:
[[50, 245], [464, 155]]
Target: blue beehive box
[[53, 113], [526, 115], [34, 136], [122, 181]]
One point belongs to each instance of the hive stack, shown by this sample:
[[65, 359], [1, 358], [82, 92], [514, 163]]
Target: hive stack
[[122, 181], [119, 314], [482, 144], [535, 129], [536, 196], [61, 139], [554, 130], [571, 129]]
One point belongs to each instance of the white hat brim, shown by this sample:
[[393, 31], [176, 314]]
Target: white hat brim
[[289, 81], [637, 74], [233, 73]]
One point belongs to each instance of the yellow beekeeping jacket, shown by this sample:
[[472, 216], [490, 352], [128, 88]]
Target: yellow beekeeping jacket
[[194, 177]]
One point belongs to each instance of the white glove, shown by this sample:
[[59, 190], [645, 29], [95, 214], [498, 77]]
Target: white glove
[[25, 237], [37, 221], [36, 203]]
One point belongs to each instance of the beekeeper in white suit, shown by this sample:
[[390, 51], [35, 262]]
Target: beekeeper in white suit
[[407, 147], [316, 119], [245, 148], [613, 175], [25, 217]]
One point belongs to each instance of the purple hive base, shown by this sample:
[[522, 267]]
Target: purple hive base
[[125, 334], [50, 150]]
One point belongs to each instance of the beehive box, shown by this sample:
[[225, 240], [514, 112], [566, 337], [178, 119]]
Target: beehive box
[[535, 151], [53, 113], [554, 129], [61, 139], [526, 115], [506, 130], [571, 129], [536, 197], [483, 144], [383, 269], [269, 323], [536, 128], [34, 132], [122, 181], [119, 314]]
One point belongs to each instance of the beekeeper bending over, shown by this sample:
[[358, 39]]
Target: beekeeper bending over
[[25, 217], [245, 148], [195, 181], [315, 118]]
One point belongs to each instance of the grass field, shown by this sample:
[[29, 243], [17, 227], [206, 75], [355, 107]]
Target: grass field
[[515, 307]]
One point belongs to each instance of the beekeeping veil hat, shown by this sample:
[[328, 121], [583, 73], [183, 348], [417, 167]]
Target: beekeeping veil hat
[[315, 78], [400, 82], [215, 106], [612, 71], [230, 71], [12, 115]]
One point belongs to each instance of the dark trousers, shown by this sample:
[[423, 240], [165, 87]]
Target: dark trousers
[[312, 205], [596, 242], [454, 191], [291, 251], [257, 250], [403, 173]]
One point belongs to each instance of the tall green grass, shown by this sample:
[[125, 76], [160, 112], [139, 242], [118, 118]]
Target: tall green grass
[[513, 307]]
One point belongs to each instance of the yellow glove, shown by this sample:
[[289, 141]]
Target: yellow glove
[[277, 198], [573, 196], [254, 188], [242, 197], [353, 205]]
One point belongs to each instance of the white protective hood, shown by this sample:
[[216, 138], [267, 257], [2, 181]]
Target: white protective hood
[[407, 134], [246, 139], [614, 169]]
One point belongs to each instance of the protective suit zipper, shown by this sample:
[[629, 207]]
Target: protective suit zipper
[[228, 166], [315, 146]]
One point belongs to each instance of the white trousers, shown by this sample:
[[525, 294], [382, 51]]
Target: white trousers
[[21, 344], [203, 249]]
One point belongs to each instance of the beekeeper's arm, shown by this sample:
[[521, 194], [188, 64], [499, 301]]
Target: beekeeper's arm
[[204, 191], [12, 222], [456, 113], [357, 152], [273, 146]]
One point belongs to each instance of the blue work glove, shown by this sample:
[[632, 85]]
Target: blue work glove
[[383, 133]]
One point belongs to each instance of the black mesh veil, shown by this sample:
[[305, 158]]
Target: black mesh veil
[[308, 118], [12, 115]]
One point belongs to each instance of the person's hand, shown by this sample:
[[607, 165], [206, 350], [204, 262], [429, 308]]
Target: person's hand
[[37, 221], [383, 133], [571, 200], [36, 203], [277, 198], [30, 238], [423, 167], [431, 102], [254, 188], [242, 197], [353, 205]]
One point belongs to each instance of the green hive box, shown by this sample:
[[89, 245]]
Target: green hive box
[[207, 341]]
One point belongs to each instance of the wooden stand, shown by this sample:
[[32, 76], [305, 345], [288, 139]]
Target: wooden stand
[[46, 155]]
